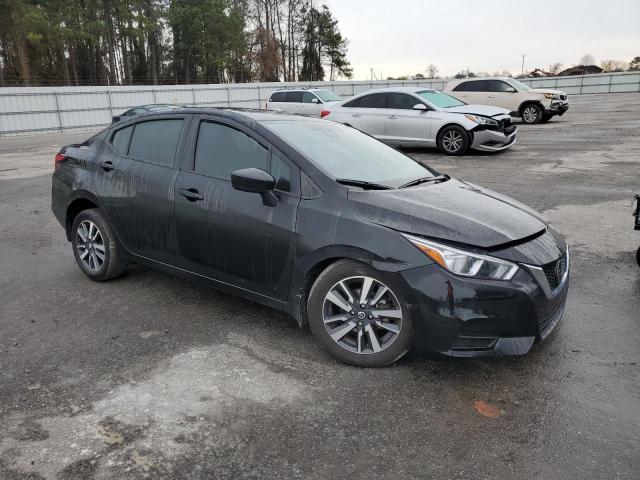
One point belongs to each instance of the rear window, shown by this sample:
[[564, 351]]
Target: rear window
[[156, 141], [277, 97], [293, 97], [374, 100], [476, 86]]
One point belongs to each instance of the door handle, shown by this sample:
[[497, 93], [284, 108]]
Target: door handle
[[492, 96], [356, 115], [107, 166], [191, 194], [392, 117]]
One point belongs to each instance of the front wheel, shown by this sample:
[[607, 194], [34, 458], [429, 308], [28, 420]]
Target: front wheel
[[532, 113], [359, 315], [453, 140]]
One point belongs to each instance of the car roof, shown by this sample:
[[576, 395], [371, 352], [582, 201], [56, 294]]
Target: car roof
[[300, 89], [399, 90], [245, 116], [474, 79]]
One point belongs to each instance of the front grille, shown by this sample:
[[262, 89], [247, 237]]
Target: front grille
[[506, 126], [555, 271]]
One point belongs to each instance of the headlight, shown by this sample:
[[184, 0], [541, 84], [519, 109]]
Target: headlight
[[465, 263], [552, 96], [481, 120]]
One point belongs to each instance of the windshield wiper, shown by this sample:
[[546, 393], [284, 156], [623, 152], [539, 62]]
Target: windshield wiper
[[363, 184], [418, 181]]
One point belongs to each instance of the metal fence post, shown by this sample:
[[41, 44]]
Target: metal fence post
[[110, 103], [155, 96], [193, 95], [259, 99], [55, 95], [228, 96]]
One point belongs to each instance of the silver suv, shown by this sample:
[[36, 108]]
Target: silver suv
[[302, 101], [533, 105]]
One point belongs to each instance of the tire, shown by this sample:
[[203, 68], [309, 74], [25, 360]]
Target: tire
[[92, 225], [453, 140], [638, 257], [532, 113], [546, 117], [374, 339]]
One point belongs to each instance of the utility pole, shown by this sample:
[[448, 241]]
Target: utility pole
[[522, 73]]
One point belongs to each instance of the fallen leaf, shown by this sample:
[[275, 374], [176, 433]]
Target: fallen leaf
[[487, 410]]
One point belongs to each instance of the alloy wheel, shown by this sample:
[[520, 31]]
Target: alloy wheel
[[362, 315], [452, 141], [90, 245], [530, 114]]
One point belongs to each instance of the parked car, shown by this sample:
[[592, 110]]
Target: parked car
[[301, 101], [533, 105], [374, 250], [132, 112], [419, 117], [636, 214]]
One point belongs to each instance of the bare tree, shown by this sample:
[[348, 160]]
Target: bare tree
[[587, 60], [432, 71], [613, 65], [555, 68]]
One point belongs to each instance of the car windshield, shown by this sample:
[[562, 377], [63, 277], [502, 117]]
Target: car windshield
[[327, 96], [345, 153], [519, 85], [440, 99]]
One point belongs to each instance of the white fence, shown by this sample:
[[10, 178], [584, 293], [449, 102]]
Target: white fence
[[47, 109]]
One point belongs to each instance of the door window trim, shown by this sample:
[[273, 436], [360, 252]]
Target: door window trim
[[188, 165]]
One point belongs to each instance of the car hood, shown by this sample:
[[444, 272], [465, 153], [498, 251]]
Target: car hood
[[453, 211], [484, 110], [546, 90]]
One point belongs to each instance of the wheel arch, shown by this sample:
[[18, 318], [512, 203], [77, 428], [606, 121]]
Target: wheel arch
[[455, 124], [529, 102], [81, 200]]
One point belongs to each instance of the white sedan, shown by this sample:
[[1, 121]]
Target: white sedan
[[419, 117]]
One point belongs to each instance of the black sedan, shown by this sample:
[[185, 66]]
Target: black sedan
[[375, 251]]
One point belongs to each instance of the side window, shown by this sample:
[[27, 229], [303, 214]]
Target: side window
[[477, 86], [221, 150], [293, 97], [375, 100], [120, 139], [307, 97], [281, 171], [401, 101], [277, 97], [498, 86], [461, 87], [156, 140]]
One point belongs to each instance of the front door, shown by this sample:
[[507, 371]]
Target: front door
[[404, 124], [134, 180], [499, 96], [226, 234]]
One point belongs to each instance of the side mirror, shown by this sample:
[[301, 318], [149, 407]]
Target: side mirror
[[116, 118], [254, 180], [420, 106], [315, 100], [510, 90]]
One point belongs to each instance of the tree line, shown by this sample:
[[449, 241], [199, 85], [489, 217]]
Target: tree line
[[126, 42]]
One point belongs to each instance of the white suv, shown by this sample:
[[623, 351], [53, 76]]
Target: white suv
[[302, 101], [533, 105]]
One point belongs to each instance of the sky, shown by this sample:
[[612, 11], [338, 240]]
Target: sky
[[402, 37]]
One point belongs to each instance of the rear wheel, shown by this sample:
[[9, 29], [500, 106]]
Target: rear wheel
[[453, 140], [94, 246], [532, 113], [358, 314]]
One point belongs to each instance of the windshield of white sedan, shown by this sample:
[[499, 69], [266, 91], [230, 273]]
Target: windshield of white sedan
[[440, 99], [327, 96], [345, 153]]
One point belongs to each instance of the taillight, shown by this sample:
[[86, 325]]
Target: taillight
[[324, 113], [59, 158]]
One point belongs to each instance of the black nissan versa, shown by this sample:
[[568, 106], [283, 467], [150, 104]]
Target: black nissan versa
[[374, 250]]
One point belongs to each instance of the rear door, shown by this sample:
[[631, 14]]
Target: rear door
[[475, 92], [230, 235], [405, 125], [293, 102], [135, 175], [367, 113]]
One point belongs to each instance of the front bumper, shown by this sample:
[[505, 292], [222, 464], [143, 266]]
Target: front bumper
[[464, 317], [557, 107], [493, 140]]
